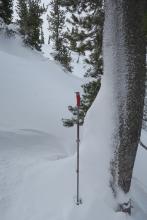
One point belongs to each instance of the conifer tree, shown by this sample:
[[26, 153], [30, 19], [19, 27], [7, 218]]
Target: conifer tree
[[6, 10], [56, 21], [30, 21], [34, 23], [86, 32], [42, 36], [90, 91], [22, 21]]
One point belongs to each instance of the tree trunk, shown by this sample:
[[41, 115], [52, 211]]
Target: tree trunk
[[124, 37]]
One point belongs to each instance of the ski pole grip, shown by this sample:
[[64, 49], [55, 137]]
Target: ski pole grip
[[78, 99]]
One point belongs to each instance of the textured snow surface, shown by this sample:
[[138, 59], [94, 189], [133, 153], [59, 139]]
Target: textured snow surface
[[37, 165]]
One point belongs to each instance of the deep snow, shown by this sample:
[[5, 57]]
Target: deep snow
[[37, 165]]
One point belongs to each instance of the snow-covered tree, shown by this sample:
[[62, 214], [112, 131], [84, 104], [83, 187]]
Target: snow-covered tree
[[124, 43]]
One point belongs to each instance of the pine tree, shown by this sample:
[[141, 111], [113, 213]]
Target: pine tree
[[34, 23], [56, 21], [6, 10], [42, 36], [30, 22], [22, 11], [86, 32], [90, 91]]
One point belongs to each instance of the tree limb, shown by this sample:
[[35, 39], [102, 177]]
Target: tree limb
[[143, 145]]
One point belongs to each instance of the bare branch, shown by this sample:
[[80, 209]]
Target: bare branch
[[143, 145]]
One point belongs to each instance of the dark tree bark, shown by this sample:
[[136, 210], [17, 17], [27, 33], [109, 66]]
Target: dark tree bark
[[126, 40], [131, 118]]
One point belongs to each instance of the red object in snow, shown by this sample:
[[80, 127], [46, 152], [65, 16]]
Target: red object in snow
[[78, 99]]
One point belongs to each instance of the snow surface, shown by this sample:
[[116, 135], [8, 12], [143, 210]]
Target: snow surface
[[37, 164]]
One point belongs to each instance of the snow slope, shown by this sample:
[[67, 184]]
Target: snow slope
[[37, 169], [34, 91], [34, 95]]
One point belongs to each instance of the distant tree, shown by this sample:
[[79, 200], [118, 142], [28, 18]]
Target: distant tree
[[35, 11], [22, 21], [30, 22], [6, 10], [56, 21], [41, 36]]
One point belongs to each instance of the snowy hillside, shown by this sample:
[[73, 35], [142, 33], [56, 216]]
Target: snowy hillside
[[34, 91], [37, 169], [34, 94]]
